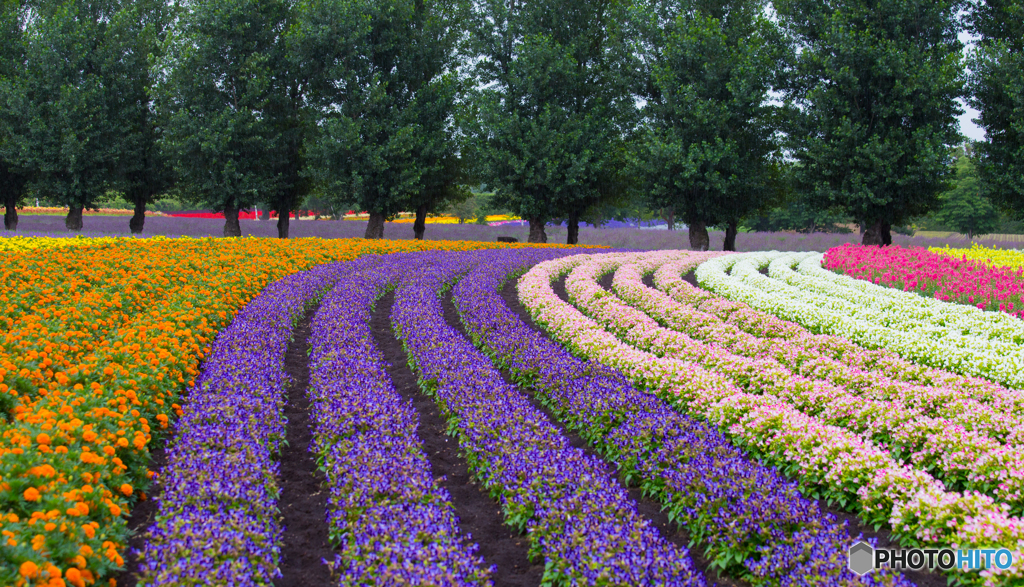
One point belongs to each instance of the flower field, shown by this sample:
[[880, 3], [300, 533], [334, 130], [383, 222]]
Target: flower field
[[619, 418]]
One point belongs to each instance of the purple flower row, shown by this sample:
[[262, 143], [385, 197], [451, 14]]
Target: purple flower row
[[217, 519], [753, 523], [577, 517], [395, 526]]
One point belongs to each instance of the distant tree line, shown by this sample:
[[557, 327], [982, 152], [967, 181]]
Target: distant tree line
[[734, 114]]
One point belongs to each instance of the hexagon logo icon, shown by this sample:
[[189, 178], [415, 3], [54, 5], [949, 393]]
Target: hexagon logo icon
[[862, 558]]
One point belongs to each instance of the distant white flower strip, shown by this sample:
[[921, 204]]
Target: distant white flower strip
[[823, 313], [946, 386], [829, 461], [961, 458]]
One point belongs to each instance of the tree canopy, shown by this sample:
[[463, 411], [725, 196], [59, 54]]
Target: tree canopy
[[877, 83], [550, 113], [997, 91], [709, 150], [385, 101]]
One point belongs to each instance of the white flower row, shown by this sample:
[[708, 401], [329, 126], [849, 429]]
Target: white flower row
[[838, 463], [823, 313]]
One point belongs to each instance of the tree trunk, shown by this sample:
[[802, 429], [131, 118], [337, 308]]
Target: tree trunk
[[573, 236], [420, 226], [670, 218], [699, 240], [872, 234], [73, 222], [231, 227], [375, 227], [283, 221], [138, 220], [265, 214], [730, 236], [537, 234], [10, 211], [886, 234]]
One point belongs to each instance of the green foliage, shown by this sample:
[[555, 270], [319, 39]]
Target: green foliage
[[965, 209], [877, 83], [383, 79], [224, 76], [547, 123], [709, 148], [997, 91], [72, 96], [13, 174]]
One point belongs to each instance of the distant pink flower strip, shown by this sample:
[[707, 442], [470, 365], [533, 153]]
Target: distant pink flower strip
[[949, 279]]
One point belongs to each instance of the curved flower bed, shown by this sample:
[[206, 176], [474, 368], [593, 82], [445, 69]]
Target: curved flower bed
[[394, 524], [217, 520], [829, 461], [97, 345], [812, 349], [963, 460], [753, 523], [578, 519], [935, 346], [967, 277], [690, 310]]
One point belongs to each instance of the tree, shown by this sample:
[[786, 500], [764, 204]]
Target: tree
[[68, 99], [13, 176], [877, 84], [554, 105], [997, 91], [223, 77], [965, 208], [142, 168], [708, 150], [385, 92]]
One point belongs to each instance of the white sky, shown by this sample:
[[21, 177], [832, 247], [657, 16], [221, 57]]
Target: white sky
[[967, 127]]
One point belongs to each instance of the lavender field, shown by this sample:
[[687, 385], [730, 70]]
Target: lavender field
[[630, 238]]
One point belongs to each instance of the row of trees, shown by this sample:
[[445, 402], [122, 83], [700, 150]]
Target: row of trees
[[707, 109]]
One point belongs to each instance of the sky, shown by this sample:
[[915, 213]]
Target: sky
[[967, 127]]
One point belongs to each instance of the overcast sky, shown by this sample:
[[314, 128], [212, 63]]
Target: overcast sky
[[967, 128]]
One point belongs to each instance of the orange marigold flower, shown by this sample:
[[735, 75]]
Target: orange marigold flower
[[31, 494], [126, 489], [28, 569]]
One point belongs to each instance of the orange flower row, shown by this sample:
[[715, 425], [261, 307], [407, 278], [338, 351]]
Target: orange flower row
[[100, 344]]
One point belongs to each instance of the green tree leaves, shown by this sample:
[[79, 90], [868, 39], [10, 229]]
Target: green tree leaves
[[386, 99], [709, 150], [223, 78], [549, 117], [877, 84], [997, 91]]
